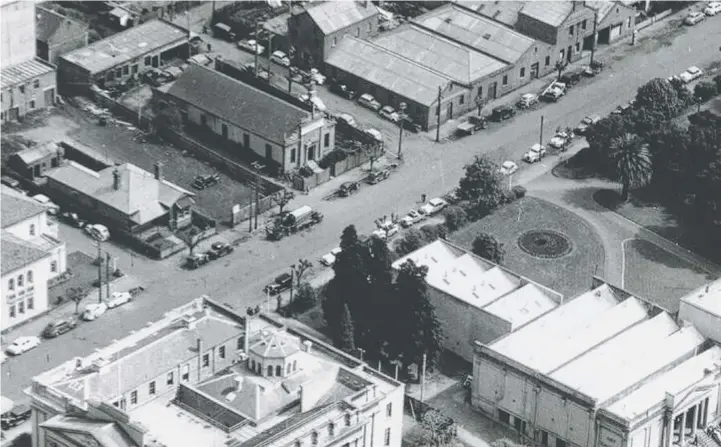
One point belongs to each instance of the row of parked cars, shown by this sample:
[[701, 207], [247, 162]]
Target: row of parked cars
[[695, 17], [217, 251]]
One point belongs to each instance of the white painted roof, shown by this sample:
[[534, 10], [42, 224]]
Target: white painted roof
[[530, 342], [522, 305], [710, 300], [673, 382]]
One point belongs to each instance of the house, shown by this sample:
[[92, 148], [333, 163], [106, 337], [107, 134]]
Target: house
[[204, 373], [26, 83], [127, 199], [317, 28], [117, 58], [57, 35], [604, 369], [34, 162], [476, 299], [31, 256], [249, 120]]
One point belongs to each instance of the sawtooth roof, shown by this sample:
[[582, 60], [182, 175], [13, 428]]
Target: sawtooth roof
[[332, 16]]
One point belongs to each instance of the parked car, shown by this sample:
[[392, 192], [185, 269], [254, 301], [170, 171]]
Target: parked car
[[15, 417], [694, 17], [59, 327], [508, 168], [368, 101], [280, 58], [118, 299], [502, 113], [316, 76], [527, 100], [22, 344], [412, 218], [9, 181], [348, 119], [94, 310], [378, 175], [691, 74], [560, 140], [73, 219], [342, 90], [200, 59], [571, 78], [535, 153], [375, 133], [223, 31], [586, 123], [434, 206], [328, 259], [473, 124], [390, 114], [98, 232], [204, 181], [314, 101], [220, 249], [593, 69], [281, 283], [348, 188], [197, 260], [44, 200], [252, 46], [386, 230], [712, 8], [411, 126]]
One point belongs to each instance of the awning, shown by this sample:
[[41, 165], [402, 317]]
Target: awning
[[6, 404]]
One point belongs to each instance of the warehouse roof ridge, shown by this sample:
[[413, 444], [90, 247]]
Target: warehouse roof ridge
[[332, 16]]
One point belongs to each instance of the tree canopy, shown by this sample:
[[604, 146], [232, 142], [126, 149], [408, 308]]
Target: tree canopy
[[632, 161], [481, 187], [488, 247]]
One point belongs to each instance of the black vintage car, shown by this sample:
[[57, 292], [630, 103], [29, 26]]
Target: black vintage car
[[59, 327], [281, 283], [571, 77], [342, 90], [15, 417], [348, 188], [204, 181], [503, 113], [219, 249]]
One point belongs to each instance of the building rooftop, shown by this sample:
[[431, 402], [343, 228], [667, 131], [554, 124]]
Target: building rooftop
[[24, 72], [278, 25], [56, 28], [552, 13], [388, 70], [125, 46], [332, 16], [17, 253], [706, 297], [482, 284], [458, 62], [603, 7], [36, 153], [505, 12], [17, 207], [89, 432], [238, 103], [477, 32], [141, 196]]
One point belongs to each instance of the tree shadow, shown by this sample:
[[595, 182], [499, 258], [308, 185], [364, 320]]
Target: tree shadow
[[583, 197], [654, 253]]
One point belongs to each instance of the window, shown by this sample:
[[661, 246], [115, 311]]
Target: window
[[119, 73], [461, 100], [298, 444], [169, 379], [387, 437], [370, 27], [12, 311], [54, 266], [21, 280], [221, 352], [504, 417], [206, 360], [22, 89], [270, 370], [252, 365], [314, 438], [292, 155], [134, 397], [335, 41], [134, 69], [578, 47], [287, 370], [126, 70], [523, 72], [544, 438], [357, 32], [331, 429], [278, 370], [326, 140], [548, 61], [389, 410], [11, 284], [570, 30], [110, 75], [505, 79], [186, 372], [560, 443], [295, 365], [562, 54], [32, 104], [30, 277], [21, 307], [36, 83], [347, 420], [583, 24], [239, 345], [480, 92], [147, 60], [31, 303], [151, 388]]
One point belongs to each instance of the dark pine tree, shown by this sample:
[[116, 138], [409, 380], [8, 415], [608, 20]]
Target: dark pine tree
[[347, 332]]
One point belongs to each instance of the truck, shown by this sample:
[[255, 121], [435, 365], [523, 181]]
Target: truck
[[473, 124], [292, 222]]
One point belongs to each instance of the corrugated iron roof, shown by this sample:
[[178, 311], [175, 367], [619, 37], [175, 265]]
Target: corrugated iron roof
[[505, 12], [332, 16], [24, 72], [552, 13]]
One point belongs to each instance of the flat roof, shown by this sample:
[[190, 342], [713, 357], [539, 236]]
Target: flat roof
[[529, 343], [23, 72], [387, 70], [706, 297], [128, 45], [477, 32], [459, 62], [674, 381]]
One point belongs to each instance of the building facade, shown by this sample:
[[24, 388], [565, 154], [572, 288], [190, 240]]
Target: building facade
[[57, 35], [18, 32], [34, 162]]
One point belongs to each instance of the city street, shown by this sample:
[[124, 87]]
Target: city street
[[428, 168]]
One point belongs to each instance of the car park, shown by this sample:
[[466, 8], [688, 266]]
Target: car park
[[22, 344], [16, 416], [72, 219], [197, 260], [281, 283], [535, 153], [94, 310], [691, 74], [694, 17], [204, 181], [712, 8], [412, 218], [586, 123], [44, 200], [118, 299], [280, 58], [434, 206], [348, 119], [390, 114], [59, 327], [527, 100], [501, 113], [98, 232], [251, 45], [368, 101], [220, 249], [342, 90], [508, 168], [328, 259]]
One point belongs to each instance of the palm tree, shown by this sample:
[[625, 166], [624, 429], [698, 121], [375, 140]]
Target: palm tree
[[632, 160]]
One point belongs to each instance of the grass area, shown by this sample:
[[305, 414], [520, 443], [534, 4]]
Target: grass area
[[654, 273], [570, 274]]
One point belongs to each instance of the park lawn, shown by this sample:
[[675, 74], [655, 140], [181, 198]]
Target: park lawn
[[570, 274], [662, 277]]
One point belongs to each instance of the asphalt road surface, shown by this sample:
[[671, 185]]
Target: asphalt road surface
[[429, 168]]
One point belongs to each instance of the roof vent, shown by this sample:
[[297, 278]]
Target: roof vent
[[434, 259], [448, 20], [462, 272], [487, 36], [498, 13], [598, 293]]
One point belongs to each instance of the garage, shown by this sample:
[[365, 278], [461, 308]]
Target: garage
[[615, 32]]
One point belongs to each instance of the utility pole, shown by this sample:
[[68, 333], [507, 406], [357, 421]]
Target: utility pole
[[290, 80], [423, 378], [250, 213], [362, 351], [593, 45], [187, 16], [438, 118], [270, 51], [107, 275], [402, 108], [100, 274], [257, 42], [292, 281], [540, 137], [257, 199]]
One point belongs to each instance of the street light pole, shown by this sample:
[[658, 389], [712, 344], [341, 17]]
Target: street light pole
[[292, 280], [402, 117]]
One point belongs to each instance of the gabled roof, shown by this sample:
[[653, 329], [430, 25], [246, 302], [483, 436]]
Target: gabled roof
[[141, 196], [332, 16], [17, 253], [89, 432], [17, 207], [56, 28], [552, 13], [24, 72], [505, 12], [238, 103], [36, 153], [604, 7]]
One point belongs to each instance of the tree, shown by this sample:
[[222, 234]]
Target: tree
[[302, 268], [380, 283], [282, 198], [373, 151], [349, 237], [480, 103], [455, 218], [411, 241], [481, 187], [632, 161], [76, 295], [660, 95], [306, 297], [705, 90], [432, 232], [488, 247], [560, 67], [191, 238], [441, 430], [347, 332], [165, 115]]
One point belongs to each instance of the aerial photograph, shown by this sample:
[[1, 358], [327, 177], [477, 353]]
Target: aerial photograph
[[360, 223]]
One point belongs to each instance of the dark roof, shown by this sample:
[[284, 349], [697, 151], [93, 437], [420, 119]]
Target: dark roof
[[55, 28], [17, 207], [239, 103], [17, 253]]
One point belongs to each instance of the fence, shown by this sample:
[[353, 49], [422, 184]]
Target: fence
[[305, 183], [133, 116], [653, 19]]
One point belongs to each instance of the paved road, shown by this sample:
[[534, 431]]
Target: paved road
[[428, 168]]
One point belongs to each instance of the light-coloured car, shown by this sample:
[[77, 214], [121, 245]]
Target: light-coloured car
[[412, 218], [313, 100], [22, 344], [693, 18], [386, 231], [252, 46], [691, 74], [348, 119], [368, 101], [712, 8], [280, 58], [434, 206], [535, 153], [45, 201], [390, 114], [560, 140], [508, 167], [328, 259], [316, 76], [586, 123], [94, 310], [375, 133], [118, 299], [98, 232]]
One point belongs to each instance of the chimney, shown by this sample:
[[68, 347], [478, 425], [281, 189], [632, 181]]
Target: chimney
[[307, 345], [117, 180], [158, 167], [238, 384]]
